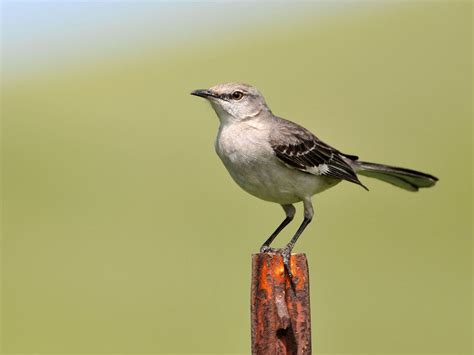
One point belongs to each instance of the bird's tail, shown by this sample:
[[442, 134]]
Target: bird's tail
[[407, 179]]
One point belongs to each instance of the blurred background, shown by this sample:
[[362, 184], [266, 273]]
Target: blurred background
[[122, 231]]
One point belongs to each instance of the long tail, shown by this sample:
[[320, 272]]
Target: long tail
[[407, 179]]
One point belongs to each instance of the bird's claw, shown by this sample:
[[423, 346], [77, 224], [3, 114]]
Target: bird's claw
[[286, 255], [267, 249]]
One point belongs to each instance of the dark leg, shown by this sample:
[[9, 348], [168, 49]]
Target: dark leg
[[286, 251], [290, 213]]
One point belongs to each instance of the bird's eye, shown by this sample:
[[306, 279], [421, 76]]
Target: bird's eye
[[237, 95]]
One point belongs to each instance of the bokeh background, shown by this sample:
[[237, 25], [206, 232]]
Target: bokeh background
[[123, 233]]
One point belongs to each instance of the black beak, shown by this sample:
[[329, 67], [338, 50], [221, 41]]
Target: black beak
[[203, 93]]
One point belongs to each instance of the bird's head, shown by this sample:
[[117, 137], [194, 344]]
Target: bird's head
[[233, 101]]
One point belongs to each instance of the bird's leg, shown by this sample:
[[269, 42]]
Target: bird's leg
[[290, 214], [286, 251]]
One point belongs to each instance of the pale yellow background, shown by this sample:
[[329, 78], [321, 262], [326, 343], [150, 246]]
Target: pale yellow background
[[123, 233]]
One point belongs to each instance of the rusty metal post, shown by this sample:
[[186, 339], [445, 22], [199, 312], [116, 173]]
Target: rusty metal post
[[280, 309]]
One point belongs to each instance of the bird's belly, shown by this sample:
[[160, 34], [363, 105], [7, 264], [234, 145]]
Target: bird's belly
[[270, 180]]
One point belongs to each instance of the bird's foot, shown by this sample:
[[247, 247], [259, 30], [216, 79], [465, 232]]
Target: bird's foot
[[268, 249], [286, 255]]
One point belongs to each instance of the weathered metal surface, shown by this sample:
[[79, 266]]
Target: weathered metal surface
[[280, 307]]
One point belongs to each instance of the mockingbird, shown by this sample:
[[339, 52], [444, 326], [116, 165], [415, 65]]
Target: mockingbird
[[280, 161]]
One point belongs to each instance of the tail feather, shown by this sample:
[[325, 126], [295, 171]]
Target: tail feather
[[407, 179]]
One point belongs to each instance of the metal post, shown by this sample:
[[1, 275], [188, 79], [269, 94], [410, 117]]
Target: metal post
[[280, 307]]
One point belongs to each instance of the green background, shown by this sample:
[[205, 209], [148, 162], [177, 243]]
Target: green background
[[122, 231]]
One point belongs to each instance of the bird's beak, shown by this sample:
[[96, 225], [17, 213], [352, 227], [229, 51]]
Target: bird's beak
[[203, 93]]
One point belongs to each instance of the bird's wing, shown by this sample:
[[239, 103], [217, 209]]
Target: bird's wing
[[298, 148]]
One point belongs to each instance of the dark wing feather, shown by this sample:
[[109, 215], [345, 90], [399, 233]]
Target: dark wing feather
[[298, 148]]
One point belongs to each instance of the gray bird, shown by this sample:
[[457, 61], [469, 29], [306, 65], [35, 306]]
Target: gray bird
[[280, 161]]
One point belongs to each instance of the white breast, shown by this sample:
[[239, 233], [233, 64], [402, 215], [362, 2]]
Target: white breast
[[246, 153]]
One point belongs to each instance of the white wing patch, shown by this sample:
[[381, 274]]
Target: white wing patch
[[321, 169]]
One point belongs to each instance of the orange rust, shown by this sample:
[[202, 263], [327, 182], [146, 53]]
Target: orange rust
[[299, 276], [278, 269], [263, 278], [280, 309]]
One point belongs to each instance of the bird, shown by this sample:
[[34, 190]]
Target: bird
[[280, 161]]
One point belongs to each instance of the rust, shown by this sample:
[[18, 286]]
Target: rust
[[280, 307]]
